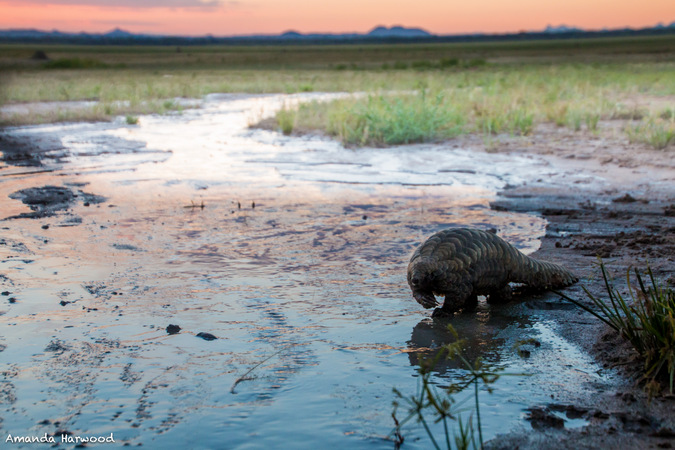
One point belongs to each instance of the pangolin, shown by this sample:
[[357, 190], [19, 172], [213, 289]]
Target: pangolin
[[462, 263]]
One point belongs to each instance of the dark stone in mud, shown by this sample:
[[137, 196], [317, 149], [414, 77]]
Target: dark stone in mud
[[625, 199], [71, 222], [56, 346], [46, 196], [173, 329], [28, 151], [206, 336], [665, 432], [127, 247], [45, 201], [571, 411], [542, 418]]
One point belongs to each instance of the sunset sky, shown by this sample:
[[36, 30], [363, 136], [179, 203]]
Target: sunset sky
[[237, 17]]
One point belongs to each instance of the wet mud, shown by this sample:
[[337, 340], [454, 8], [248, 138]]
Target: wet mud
[[222, 286], [626, 221]]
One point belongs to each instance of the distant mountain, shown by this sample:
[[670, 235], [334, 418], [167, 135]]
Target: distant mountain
[[660, 25], [398, 31], [291, 34], [378, 34], [562, 29], [118, 33]]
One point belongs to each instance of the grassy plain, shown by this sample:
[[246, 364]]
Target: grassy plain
[[489, 88]]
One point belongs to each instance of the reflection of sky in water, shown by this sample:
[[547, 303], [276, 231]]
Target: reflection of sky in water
[[310, 284]]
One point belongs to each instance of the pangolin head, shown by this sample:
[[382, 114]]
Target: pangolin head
[[421, 280]]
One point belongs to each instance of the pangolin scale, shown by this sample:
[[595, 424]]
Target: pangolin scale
[[462, 263]]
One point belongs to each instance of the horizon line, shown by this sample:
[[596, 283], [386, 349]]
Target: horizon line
[[660, 24]]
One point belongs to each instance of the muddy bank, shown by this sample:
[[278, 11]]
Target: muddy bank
[[626, 218]]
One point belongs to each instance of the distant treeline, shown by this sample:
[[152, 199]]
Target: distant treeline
[[35, 36]]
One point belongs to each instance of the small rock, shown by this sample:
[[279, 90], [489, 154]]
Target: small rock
[[56, 346], [206, 336], [664, 432], [542, 418], [523, 353], [173, 329], [628, 397], [625, 199]]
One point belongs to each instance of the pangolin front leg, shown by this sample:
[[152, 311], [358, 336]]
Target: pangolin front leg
[[459, 296]]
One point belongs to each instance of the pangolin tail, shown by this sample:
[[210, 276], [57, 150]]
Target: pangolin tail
[[543, 275]]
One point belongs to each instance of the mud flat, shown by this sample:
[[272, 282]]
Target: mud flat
[[190, 280]]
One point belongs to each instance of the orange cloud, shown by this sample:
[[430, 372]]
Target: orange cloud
[[220, 18]]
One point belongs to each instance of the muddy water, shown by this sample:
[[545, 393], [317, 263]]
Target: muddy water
[[291, 252]]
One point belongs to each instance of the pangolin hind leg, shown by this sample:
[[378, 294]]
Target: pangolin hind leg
[[502, 295]]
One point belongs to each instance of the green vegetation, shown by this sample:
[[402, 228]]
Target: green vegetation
[[657, 133], [495, 100], [75, 63], [490, 88], [286, 118], [647, 322], [441, 404], [384, 120]]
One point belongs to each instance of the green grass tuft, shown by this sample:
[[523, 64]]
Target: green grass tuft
[[286, 118], [647, 322], [657, 133], [379, 120], [401, 120]]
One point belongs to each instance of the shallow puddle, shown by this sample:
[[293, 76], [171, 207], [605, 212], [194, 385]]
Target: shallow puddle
[[292, 252]]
